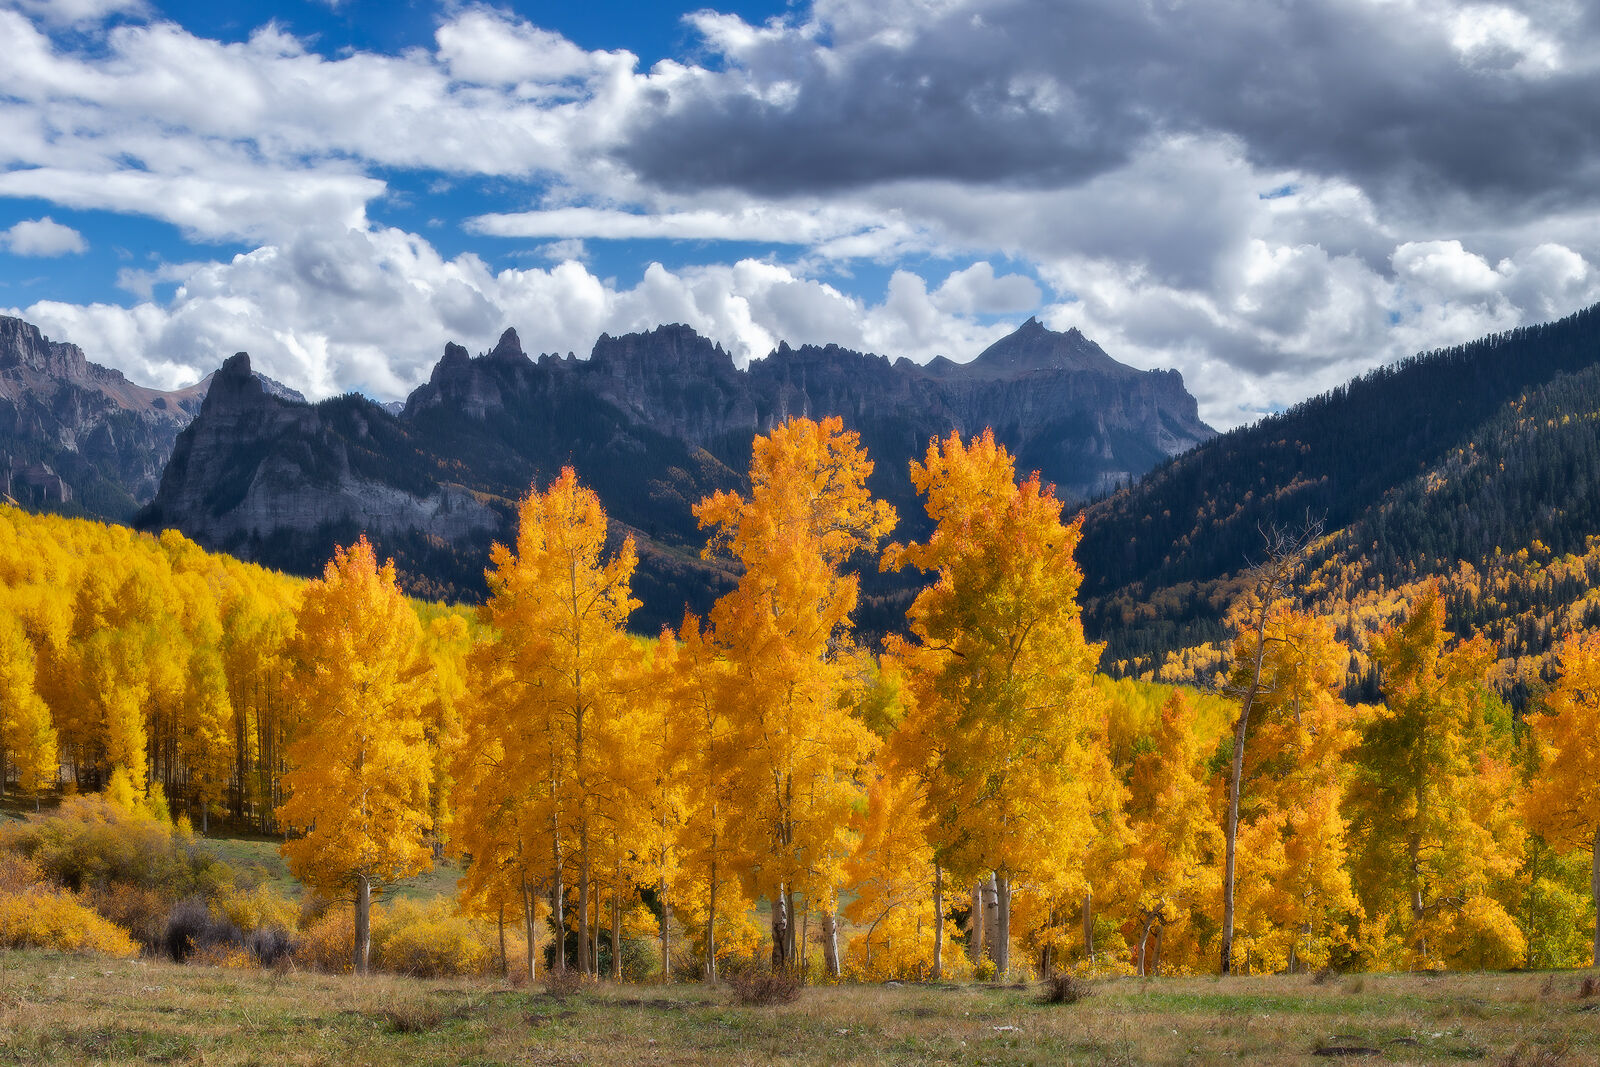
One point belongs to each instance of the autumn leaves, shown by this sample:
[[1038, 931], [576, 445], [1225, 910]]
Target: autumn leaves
[[974, 778]]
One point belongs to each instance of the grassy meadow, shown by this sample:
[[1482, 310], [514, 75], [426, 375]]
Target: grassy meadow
[[69, 1009]]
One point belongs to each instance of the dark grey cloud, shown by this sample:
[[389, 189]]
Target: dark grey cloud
[[1421, 101]]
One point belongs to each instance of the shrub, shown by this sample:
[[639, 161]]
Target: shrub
[[986, 970], [139, 910], [1065, 988], [89, 842], [270, 946], [328, 942], [431, 942], [260, 908], [562, 984], [18, 873], [192, 925], [758, 987], [47, 918]]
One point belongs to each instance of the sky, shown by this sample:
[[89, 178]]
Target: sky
[[1271, 197]]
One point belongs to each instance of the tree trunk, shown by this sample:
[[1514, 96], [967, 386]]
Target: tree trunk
[[975, 926], [791, 926], [1088, 927], [666, 947], [1003, 926], [938, 923], [505, 966], [530, 921], [1594, 889], [780, 931], [711, 922], [558, 914], [583, 915], [1159, 929], [616, 928], [1144, 941], [830, 941], [363, 945], [991, 919], [805, 940]]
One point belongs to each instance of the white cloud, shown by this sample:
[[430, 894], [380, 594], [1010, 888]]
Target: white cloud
[[79, 12], [42, 237]]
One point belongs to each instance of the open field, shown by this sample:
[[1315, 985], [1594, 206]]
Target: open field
[[77, 1009]]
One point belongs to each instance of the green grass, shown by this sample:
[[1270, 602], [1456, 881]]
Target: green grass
[[72, 1009], [257, 858]]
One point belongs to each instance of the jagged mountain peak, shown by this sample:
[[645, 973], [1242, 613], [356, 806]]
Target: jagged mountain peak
[[1033, 346], [509, 347]]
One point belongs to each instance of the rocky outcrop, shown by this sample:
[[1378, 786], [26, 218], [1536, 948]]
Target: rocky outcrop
[[653, 422], [73, 432]]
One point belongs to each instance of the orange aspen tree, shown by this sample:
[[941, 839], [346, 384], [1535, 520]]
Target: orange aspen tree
[[1562, 801], [1428, 803], [558, 672], [785, 634], [999, 677], [358, 783], [896, 887]]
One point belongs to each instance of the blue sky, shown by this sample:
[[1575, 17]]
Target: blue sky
[[1268, 199]]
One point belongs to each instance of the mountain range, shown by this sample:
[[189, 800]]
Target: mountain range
[[653, 421]]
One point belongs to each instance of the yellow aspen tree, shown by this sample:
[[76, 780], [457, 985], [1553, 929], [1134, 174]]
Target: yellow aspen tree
[[785, 632], [661, 785], [28, 740], [1000, 677], [358, 783], [1177, 840], [560, 672], [1429, 802], [1294, 879], [892, 877], [707, 747], [1562, 799]]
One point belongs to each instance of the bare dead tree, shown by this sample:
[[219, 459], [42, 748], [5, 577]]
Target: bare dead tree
[[1270, 580]]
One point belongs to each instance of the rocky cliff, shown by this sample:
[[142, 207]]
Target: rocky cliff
[[653, 422], [76, 434]]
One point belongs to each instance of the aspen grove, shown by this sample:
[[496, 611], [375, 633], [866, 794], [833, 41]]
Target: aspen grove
[[966, 798]]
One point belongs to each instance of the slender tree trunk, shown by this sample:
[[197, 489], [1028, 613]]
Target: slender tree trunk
[[1235, 774], [1003, 926], [1159, 930], [830, 941], [530, 921], [711, 920], [938, 923], [559, 917], [616, 928], [975, 926], [805, 940], [505, 965], [780, 931], [1088, 927], [991, 919], [1144, 942], [791, 926], [1594, 889], [583, 911], [363, 945], [666, 947]]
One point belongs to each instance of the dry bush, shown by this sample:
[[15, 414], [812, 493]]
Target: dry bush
[[192, 926], [1588, 987], [328, 942], [1067, 988], [563, 984], [1525, 1055], [260, 908], [48, 918], [760, 988], [18, 873], [89, 842], [1323, 975], [140, 910]]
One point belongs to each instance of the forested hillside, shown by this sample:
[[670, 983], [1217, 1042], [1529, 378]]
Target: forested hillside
[[1483, 455]]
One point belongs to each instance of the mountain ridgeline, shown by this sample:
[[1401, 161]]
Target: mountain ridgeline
[[80, 438], [1476, 466], [653, 422]]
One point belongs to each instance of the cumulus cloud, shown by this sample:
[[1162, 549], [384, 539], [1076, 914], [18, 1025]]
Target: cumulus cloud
[[42, 237], [1269, 199]]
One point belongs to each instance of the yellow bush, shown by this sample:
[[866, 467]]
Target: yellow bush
[[45, 918], [432, 941], [260, 908]]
